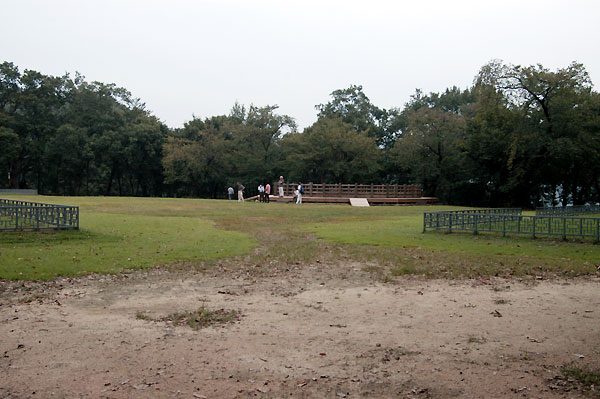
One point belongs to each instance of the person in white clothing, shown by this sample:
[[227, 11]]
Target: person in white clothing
[[299, 192], [261, 193], [280, 186]]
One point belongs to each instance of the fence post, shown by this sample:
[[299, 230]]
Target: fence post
[[597, 230], [533, 233], [16, 218], [424, 222], [503, 225], [476, 223], [450, 223], [564, 228]]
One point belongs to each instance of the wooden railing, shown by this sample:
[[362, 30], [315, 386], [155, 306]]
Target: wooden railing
[[354, 190]]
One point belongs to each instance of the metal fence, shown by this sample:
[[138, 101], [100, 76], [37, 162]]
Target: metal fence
[[567, 210], [494, 211], [25, 215], [507, 223]]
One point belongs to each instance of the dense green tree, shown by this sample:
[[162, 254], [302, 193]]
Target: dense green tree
[[68, 136], [209, 155], [200, 163], [66, 170], [11, 148], [491, 147], [431, 147], [31, 107], [521, 136], [257, 144], [354, 107], [331, 151], [555, 117]]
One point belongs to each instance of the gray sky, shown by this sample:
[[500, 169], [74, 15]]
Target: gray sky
[[185, 58]]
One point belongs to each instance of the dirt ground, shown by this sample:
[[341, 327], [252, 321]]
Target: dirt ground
[[312, 331]]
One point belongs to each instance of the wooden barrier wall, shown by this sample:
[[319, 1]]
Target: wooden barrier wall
[[354, 190]]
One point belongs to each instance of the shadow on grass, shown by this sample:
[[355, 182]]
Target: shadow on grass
[[43, 237]]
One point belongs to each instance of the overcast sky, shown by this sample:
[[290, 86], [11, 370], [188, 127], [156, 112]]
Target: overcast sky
[[186, 58]]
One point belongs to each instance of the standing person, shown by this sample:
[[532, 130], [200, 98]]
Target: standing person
[[300, 191], [261, 193], [268, 193], [241, 189], [280, 185], [230, 193]]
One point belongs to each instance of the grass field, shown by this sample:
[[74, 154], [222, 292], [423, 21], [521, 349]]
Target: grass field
[[117, 234]]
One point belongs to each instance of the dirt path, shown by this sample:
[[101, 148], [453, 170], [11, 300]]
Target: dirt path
[[312, 332]]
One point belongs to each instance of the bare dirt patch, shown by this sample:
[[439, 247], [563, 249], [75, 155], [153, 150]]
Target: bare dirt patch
[[311, 331]]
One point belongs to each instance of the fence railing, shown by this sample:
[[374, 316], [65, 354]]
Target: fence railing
[[506, 223], [567, 210], [25, 215], [355, 190], [494, 211]]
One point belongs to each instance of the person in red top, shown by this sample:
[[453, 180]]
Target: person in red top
[[267, 192]]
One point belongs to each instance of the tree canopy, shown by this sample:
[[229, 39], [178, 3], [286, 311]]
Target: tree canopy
[[519, 136]]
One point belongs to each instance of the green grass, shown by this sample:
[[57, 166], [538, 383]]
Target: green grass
[[405, 231], [113, 242], [118, 234], [437, 253]]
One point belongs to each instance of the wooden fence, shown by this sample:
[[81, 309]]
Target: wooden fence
[[354, 190]]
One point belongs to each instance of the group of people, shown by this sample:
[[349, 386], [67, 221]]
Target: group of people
[[264, 191]]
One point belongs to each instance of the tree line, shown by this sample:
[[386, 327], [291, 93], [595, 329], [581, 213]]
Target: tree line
[[519, 136]]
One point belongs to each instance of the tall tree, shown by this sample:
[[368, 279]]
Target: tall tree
[[354, 107], [218, 151], [546, 152], [199, 162], [31, 107], [432, 144], [332, 151]]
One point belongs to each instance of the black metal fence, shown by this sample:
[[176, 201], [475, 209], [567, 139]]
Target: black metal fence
[[568, 210], [511, 221], [25, 215]]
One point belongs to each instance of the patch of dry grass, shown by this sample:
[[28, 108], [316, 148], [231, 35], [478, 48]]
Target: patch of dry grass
[[196, 319]]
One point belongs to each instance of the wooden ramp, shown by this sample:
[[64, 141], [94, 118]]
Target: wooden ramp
[[338, 200], [359, 202]]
